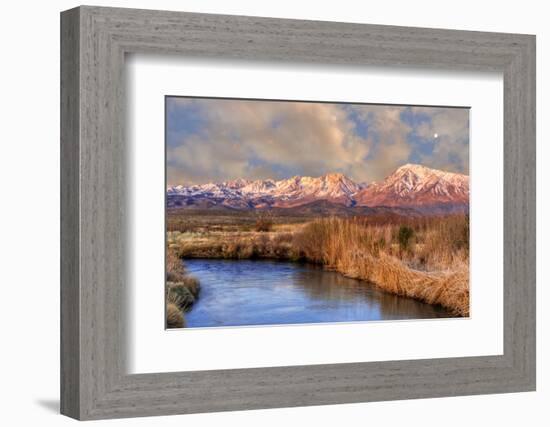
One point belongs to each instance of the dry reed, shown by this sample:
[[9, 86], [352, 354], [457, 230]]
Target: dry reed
[[426, 258], [365, 252]]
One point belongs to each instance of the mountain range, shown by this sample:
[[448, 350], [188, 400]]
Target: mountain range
[[411, 187]]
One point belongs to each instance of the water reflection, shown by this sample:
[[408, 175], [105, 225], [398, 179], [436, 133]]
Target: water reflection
[[244, 292]]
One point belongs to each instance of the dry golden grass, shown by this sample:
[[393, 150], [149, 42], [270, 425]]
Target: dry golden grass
[[422, 258], [174, 316], [184, 294], [425, 243], [449, 289], [369, 253], [174, 266], [182, 290], [234, 245]]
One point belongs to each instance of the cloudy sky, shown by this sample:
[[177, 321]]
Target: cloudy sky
[[211, 140]]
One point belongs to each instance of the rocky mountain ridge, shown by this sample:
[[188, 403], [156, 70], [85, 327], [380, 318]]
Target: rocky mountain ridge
[[410, 186]]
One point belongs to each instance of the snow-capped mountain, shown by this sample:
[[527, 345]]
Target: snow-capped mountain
[[410, 186], [295, 191], [418, 187], [298, 190]]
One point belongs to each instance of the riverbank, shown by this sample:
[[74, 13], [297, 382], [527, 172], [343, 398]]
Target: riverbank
[[182, 291], [423, 258]]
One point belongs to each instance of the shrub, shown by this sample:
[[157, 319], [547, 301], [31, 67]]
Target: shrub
[[404, 236], [263, 224], [193, 284], [184, 293], [173, 298]]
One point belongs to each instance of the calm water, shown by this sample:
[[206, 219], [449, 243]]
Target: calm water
[[243, 292]]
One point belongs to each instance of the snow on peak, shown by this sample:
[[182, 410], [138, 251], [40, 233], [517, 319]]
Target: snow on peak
[[409, 185], [236, 183], [413, 184]]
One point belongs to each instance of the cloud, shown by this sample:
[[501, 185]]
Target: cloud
[[257, 139], [388, 135], [217, 140]]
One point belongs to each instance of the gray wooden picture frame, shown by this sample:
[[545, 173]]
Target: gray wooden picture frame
[[94, 41]]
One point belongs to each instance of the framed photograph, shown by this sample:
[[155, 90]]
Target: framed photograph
[[292, 212], [262, 213]]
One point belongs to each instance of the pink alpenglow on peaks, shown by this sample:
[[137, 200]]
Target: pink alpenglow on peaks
[[410, 186]]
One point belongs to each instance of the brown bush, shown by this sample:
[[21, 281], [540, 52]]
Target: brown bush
[[263, 224]]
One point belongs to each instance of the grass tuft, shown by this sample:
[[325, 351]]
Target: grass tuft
[[182, 290], [174, 316]]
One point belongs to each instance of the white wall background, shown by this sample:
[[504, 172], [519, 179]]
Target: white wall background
[[29, 237]]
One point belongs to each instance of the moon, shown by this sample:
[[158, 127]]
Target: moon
[[436, 135]]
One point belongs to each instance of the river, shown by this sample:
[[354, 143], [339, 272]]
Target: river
[[246, 292]]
